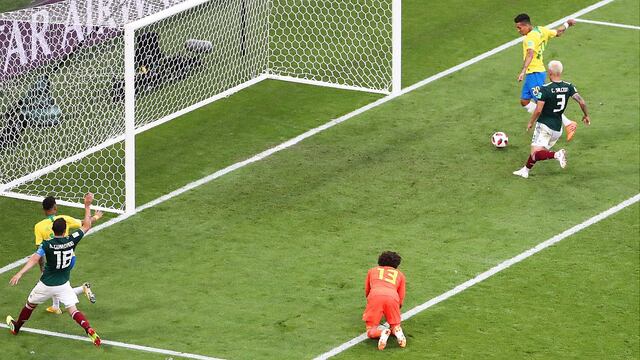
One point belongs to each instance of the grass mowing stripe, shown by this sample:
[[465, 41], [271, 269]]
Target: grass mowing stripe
[[320, 128], [608, 24], [117, 343], [494, 270]]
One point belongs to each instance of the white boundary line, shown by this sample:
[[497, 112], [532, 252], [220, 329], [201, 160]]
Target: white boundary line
[[608, 24], [308, 134], [117, 344], [487, 274]]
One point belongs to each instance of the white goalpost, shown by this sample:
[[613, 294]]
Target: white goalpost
[[79, 79]]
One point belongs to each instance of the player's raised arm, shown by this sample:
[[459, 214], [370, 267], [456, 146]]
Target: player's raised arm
[[583, 106], [86, 222], [562, 28]]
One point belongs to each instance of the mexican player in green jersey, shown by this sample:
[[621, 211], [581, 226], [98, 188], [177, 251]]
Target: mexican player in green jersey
[[54, 281], [547, 119]]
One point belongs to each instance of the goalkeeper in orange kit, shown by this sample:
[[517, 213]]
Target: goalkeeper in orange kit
[[385, 289]]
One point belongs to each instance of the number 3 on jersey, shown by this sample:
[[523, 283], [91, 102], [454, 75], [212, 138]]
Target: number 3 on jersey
[[388, 275], [562, 102], [63, 258]]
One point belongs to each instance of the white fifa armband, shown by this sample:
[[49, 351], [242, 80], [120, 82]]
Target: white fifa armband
[[566, 25]]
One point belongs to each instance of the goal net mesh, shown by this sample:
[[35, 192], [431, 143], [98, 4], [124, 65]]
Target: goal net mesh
[[62, 84]]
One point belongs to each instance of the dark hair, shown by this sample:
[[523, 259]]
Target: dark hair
[[389, 258], [59, 226], [48, 203], [522, 18]]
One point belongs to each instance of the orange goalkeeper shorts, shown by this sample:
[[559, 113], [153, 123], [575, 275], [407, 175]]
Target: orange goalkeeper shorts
[[381, 305]]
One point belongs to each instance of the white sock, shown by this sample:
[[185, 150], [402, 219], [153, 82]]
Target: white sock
[[56, 303], [565, 120], [530, 107], [78, 290]]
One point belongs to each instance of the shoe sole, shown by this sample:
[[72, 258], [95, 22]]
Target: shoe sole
[[88, 293], [571, 133], [12, 327], [383, 343], [563, 162], [56, 312]]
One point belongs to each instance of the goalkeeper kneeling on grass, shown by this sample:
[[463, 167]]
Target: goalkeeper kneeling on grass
[[385, 289]]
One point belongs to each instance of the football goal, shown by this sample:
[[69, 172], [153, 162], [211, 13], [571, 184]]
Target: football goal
[[79, 79]]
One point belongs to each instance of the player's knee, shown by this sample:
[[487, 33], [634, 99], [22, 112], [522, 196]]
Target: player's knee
[[373, 332]]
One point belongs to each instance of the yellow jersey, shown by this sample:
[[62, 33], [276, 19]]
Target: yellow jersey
[[537, 40], [43, 229]]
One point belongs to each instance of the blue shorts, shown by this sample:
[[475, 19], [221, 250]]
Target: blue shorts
[[73, 262], [532, 83]]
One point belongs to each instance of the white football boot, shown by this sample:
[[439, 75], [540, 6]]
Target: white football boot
[[402, 340], [561, 156], [382, 342], [524, 172]]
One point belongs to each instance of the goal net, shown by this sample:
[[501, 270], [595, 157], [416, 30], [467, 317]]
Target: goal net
[[80, 78]]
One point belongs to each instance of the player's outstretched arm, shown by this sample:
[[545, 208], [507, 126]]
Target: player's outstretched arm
[[97, 215], [562, 28], [33, 260], [583, 106], [86, 222]]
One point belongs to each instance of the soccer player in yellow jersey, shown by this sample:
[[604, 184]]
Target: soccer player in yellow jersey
[[43, 231], [533, 72]]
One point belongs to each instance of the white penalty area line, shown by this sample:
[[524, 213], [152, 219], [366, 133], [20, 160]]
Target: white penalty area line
[[304, 136], [624, 26], [116, 343], [487, 274]]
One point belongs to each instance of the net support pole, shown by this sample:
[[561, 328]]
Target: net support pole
[[129, 120], [396, 24]]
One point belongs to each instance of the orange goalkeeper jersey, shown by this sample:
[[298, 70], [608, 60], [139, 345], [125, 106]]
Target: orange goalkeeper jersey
[[385, 281]]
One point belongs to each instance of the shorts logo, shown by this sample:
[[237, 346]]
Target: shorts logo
[[536, 92]]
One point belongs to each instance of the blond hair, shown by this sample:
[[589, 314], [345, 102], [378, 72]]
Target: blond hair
[[555, 67]]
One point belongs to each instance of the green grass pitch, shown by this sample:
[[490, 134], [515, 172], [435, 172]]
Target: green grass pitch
[[268, 262]]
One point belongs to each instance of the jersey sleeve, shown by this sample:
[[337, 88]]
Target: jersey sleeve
[[40, 250], [72, 223], [38, 235], [530, 41], [402, 288], [367, 284], [543, 94], [550, 33], [572, 90], [76, 236]]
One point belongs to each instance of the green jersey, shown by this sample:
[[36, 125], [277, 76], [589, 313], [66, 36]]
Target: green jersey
[[555, 96], [58, 253]]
